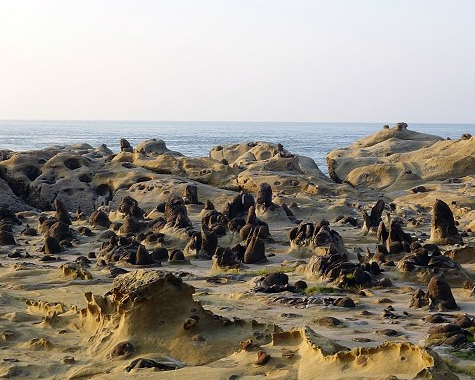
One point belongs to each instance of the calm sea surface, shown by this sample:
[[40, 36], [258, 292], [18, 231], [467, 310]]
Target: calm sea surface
[[196, 138]]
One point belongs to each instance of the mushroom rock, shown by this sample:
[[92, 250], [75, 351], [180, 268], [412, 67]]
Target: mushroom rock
[[75, 271], [176, 255], [176, 214], [371, 221], [224, 259], [62, 212], [255, 248], [79, 215], [264, 196], [236, 224], [191, 195], [440, 294], [130, 226], [52, 246], [239, 205], [130, 207], [317, 238], [29, 231], [120, 249], [336, 268], [419, 300], [209, 241], [7, 215], [395, 240], [209, 205], [273, 283], [193, 247], [142, 256], [253, 222], [215, 221], [202, 245], [125, 146], [382, 234], [99, 219], [239, 251], [159, 254], [425, 262], [55, 228], [6, 238], [443, 229]]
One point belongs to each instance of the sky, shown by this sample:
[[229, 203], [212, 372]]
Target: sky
[[238, 60]]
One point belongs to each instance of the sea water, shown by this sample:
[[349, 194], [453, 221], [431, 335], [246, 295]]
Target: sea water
[[314, 140]]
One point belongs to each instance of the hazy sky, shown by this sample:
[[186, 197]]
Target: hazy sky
[[260, 60]]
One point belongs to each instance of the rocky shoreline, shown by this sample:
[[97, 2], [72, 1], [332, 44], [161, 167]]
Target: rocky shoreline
[[244, 264]]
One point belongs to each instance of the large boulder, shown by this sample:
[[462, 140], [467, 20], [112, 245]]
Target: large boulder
[[66, 177], [60, 172], [258, 162]]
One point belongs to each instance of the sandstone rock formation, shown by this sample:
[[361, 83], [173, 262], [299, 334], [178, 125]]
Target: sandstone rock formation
[[443, 229], [225, 259], [150, 309], [139, 208], [336, 268], [154, 147], [438, 297], [399, 158], [371, 222], [307, 239], [425, 262], [255, 248]]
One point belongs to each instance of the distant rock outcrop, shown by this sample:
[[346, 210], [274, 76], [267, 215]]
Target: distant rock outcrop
[[398, 158]]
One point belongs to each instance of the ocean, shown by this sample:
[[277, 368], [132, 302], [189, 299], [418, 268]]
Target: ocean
[[196, 138]]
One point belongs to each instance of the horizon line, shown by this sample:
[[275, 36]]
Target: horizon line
[[239, 121]]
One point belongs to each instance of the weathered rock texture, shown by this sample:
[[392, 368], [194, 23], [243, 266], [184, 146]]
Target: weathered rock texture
[[399, 158], [155, 312], [443, 229]]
